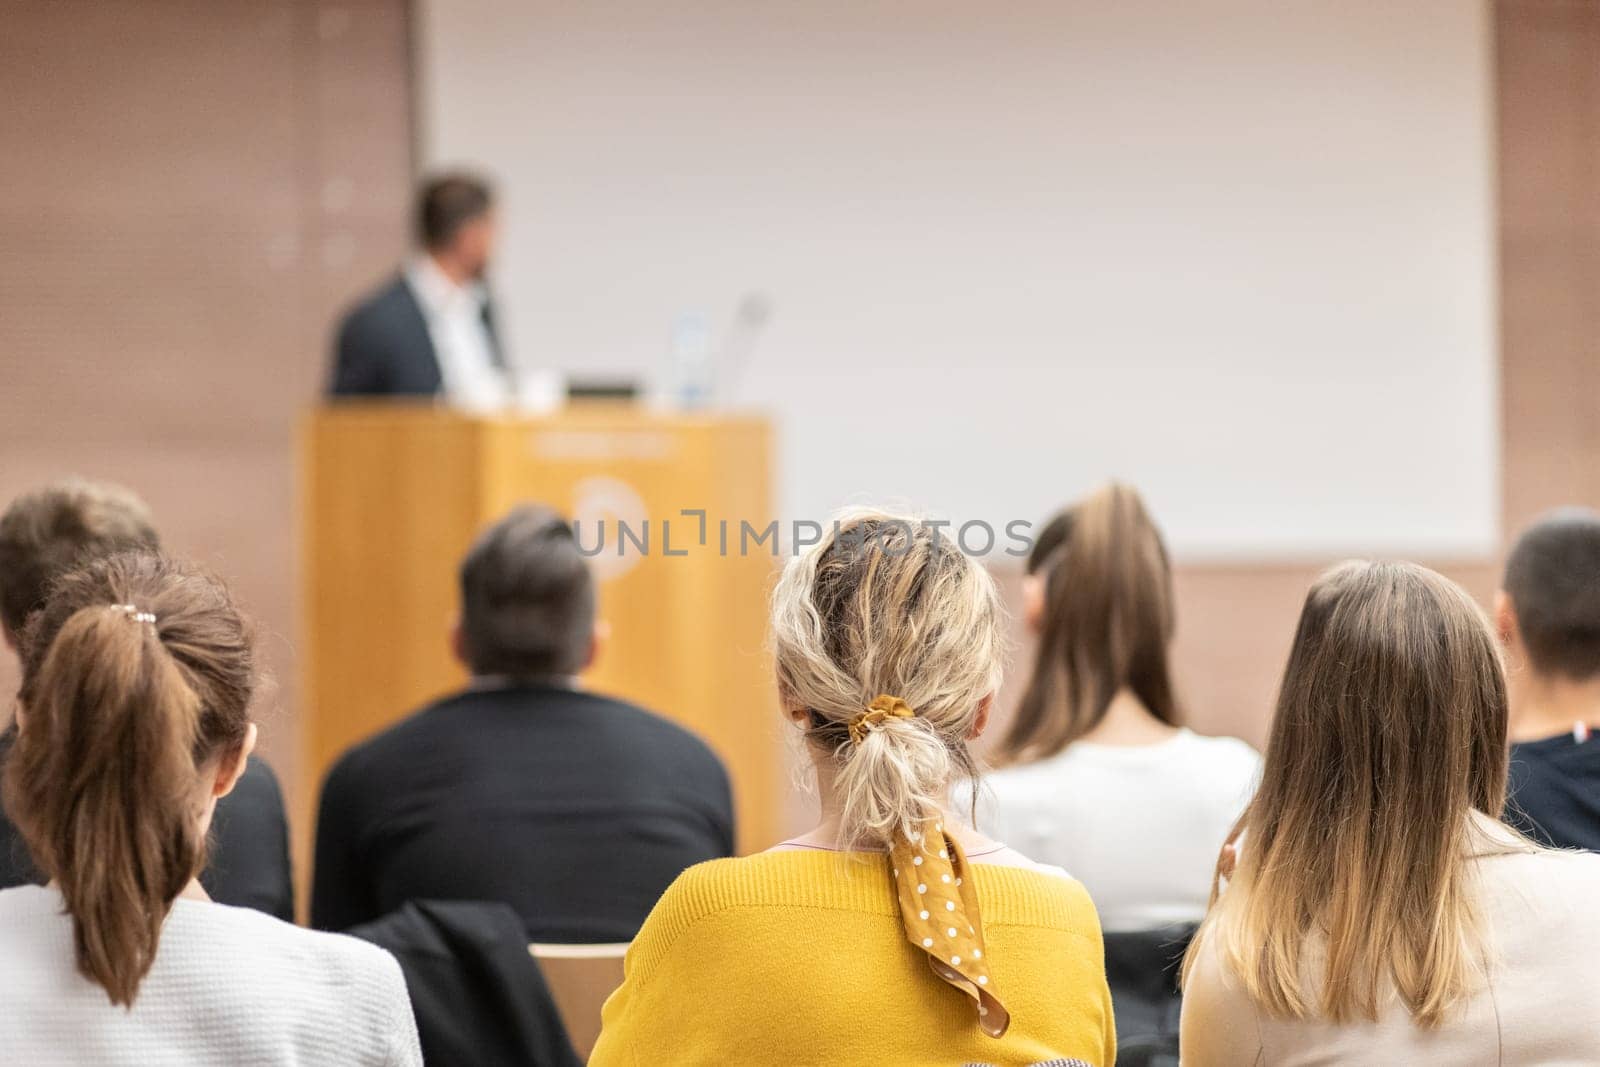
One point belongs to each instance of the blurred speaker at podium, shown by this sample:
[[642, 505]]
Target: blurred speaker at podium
[[429, 331]]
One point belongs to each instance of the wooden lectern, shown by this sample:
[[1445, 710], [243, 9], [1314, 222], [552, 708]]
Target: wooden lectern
[[394, 495]]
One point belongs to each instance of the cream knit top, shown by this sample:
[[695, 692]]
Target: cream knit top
[[1540, 1007], [229, 986]]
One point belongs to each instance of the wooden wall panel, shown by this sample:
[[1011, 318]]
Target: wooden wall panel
[[1549, 117], [192, 189]]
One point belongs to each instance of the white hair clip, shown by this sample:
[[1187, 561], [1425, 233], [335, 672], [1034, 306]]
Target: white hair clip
[[134, 613]]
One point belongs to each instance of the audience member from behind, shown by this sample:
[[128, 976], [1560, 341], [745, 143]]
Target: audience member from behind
[[1378, 911], [888, 934], [575, 809], [1548, 614], [132, 722], [1102, 780], [45, 534]]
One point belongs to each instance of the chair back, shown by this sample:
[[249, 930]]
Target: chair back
[[580, 978], [477, 996]]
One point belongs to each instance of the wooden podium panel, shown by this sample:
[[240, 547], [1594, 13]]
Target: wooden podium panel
[[394, 495]]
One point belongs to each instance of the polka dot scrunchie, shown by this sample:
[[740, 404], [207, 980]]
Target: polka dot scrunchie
[[939, 910]]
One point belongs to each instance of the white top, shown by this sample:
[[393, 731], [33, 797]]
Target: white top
[[229, 986], [460, 339], [1541, 1005], [1139, 825]]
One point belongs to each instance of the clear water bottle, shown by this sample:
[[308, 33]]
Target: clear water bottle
[[691, 372]]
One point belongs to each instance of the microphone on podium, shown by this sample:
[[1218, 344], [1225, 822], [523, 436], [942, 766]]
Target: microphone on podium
[[750, 319]]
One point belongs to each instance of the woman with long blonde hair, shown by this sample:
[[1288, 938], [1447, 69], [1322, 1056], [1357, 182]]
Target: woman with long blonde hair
[[1377, 911], [1101, 777], [888, 934]]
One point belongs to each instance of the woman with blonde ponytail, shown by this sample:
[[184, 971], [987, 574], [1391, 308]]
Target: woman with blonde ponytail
[[132, 722], [1100, 776], [890, 934]]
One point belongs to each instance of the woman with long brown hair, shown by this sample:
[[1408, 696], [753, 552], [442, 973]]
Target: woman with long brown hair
[[1377, 911], [1100, 776], [133, 720]]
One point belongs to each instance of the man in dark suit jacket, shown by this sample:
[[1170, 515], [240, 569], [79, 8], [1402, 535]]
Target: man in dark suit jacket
[[575, 809], [430, 330], [47, 533]]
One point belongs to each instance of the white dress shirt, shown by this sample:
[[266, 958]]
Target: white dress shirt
[[461, 342]]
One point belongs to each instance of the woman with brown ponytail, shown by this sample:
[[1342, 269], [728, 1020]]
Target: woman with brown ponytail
[[888, 935], [133, 721], [1099, 776]]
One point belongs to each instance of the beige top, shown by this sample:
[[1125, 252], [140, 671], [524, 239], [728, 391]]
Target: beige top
[[1541, 1005]]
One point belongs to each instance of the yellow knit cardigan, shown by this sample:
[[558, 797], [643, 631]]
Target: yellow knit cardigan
[[797, 957]]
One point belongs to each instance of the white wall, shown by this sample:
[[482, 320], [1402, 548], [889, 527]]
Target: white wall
[[1239, 252]]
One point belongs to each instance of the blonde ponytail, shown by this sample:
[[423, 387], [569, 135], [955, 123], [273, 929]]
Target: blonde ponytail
[[895, 778], [105, 778], [887, 606]]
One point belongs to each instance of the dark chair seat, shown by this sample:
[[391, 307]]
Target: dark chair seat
[[1142, 969]]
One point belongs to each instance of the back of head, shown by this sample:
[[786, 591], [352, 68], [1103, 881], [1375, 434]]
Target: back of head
[[47, 532], [1051, 537], [886, 607], [1553, 582], [1107, 623], [137, 675], [447, 203], [1390, 729], [527, 598]]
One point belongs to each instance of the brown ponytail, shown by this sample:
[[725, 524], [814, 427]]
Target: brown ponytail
[[122, 713], [1107, 624]]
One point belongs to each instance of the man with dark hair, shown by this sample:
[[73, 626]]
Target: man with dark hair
[[51, 531], [1548, 614], [527, 600], [575, 809], [430, 330]]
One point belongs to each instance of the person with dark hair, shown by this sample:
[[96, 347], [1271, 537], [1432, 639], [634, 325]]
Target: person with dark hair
[[44, 535], [430, 330], [48, 532], [1548, 615], [133, 722], [575, 809]]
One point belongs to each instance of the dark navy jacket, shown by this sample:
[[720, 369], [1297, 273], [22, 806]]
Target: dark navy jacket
[[384, 348]]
